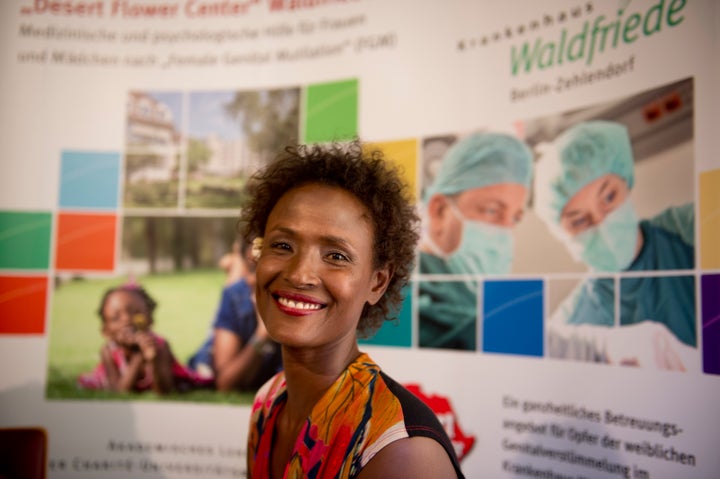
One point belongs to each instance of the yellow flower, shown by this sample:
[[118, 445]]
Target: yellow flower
[[140, 321], [257, 248]]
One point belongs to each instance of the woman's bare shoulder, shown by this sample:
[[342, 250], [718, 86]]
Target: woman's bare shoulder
[[416, 457]]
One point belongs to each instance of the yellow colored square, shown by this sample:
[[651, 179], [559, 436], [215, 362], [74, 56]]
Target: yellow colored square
[[710, 219], [404, 154]]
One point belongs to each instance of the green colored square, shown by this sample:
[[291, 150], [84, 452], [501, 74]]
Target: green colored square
[[331, 112], [25, 240]]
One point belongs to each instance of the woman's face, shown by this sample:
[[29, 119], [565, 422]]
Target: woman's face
[[124, 313], [589, 206], [499, 205], [316, 271]]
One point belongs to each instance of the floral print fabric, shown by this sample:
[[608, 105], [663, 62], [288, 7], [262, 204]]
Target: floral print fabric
[[356, 417]]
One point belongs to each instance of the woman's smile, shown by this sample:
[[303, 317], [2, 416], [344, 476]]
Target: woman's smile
[[296, 304]]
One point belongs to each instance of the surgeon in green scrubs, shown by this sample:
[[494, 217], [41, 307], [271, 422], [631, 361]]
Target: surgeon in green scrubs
[[469, 211], [583, 192]]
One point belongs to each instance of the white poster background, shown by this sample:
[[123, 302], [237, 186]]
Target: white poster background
[[418, 84]]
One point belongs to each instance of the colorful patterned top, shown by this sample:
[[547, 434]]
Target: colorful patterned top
[[362, 412]]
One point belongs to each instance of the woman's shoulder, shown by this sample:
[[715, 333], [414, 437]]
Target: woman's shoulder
[[417, 457], [424, 438]]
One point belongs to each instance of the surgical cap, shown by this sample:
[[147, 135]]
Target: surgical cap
[[582, 154], [482, 159]]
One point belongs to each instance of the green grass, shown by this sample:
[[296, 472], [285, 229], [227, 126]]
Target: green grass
[[186, 305]]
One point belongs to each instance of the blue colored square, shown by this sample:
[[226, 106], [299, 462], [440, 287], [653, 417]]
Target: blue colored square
[[398, 332], [89, 179], [513, 317]]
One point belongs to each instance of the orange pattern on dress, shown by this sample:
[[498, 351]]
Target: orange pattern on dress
[[356, 413]]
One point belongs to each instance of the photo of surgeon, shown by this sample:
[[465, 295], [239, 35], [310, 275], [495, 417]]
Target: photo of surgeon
[[583, 191], [469, 210]]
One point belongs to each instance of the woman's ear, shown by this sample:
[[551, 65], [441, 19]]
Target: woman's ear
[[381, 281]]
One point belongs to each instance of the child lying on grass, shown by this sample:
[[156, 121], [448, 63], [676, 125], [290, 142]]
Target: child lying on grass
[[134, 358]]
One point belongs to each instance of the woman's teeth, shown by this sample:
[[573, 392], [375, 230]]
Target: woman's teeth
[[288, 303]]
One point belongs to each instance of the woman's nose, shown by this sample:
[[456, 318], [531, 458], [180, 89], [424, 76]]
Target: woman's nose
[[302, 270]]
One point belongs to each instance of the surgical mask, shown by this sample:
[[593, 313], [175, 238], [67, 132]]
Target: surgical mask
[[610, 245], [484, 248]]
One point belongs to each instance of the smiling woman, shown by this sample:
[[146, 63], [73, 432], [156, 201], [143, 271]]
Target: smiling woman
[[317, 265], [325, 275]]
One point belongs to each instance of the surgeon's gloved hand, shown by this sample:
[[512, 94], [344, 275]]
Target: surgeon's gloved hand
[[672, 351], [647, 344]]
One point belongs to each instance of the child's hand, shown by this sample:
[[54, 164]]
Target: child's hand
[[125, 338], [147, 345]]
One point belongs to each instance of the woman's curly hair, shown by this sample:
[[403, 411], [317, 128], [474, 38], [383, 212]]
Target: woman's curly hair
[[371, 179]]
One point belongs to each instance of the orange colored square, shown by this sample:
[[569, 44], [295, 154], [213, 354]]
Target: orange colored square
[[85, 242], [22, 304]]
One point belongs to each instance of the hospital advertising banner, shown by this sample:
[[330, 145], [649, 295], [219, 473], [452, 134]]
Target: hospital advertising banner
[[563, 317]]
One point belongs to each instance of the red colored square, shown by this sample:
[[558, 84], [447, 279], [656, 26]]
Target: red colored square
[[22, 304], [85, 242]]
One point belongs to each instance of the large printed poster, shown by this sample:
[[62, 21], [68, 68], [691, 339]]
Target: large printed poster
[[562, 319]]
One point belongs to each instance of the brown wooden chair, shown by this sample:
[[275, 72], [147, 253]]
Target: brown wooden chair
[[23, 453]]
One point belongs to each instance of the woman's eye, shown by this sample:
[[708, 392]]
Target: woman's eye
[[280, 245], [335, 256]]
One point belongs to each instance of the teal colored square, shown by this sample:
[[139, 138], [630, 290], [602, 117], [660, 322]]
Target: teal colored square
[[398, 332], [331, 112], [513, 317], [25, 240], [447, 315], [89, 179]]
